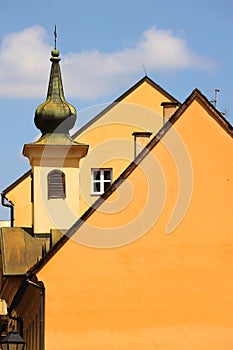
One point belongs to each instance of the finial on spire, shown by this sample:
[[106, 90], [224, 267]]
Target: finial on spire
[[55, 115], [55, 37], [55, 53]]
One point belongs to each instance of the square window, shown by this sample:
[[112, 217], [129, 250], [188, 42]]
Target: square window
[[101, 180]]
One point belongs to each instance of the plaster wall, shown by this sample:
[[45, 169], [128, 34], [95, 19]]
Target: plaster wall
[[56, 212], [20, 196], [110, 139], [170, 287]]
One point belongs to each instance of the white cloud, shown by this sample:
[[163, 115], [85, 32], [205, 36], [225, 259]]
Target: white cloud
[[88, 74], [24, 63]]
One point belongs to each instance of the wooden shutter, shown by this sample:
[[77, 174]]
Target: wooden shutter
[[56, 184]]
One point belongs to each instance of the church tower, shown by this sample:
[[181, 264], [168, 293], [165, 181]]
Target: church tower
[[54, 159]]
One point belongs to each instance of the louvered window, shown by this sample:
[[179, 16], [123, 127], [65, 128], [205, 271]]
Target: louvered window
[[56, 184]]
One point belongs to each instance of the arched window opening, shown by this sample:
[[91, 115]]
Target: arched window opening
[[56, 184]]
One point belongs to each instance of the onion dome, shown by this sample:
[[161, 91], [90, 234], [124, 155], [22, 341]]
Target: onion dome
[[55, 115]]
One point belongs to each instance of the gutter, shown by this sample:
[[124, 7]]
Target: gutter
[[8, 205]]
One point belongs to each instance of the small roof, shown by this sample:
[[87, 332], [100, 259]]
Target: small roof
[[20, 250]]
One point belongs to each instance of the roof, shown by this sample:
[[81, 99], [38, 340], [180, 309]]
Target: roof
[[195, 95], [216, 115], [20, 249]]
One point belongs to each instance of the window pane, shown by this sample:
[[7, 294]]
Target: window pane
[[106, 185], [96, 186], [96, 175], [101, 180], [107, 174]]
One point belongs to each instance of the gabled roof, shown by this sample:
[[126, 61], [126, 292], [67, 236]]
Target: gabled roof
[[195, 95], [123, 96]]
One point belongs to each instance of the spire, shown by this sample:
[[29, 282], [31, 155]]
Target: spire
[[55, 115]]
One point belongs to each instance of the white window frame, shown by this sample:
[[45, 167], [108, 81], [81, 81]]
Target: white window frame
[[101, 181]]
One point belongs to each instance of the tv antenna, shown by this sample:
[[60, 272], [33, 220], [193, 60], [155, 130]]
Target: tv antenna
[[215, 100], [144, 70]]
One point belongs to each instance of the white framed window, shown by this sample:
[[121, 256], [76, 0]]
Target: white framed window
[[101, 179]]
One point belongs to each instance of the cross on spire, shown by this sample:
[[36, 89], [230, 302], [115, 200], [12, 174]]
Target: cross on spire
[[55, 37]]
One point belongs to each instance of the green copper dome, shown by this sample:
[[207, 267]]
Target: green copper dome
[[55, 114]]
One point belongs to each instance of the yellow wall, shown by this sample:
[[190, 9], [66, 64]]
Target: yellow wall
[[147, 96], [162, 291], [111, 145], [20, 196], [56, 212]]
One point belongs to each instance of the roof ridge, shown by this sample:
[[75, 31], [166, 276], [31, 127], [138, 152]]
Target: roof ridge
[[121, 97], [197, 94]]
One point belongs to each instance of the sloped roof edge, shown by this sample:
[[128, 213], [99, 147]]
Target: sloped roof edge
[[120, 98], [196, 94], [16, 182]]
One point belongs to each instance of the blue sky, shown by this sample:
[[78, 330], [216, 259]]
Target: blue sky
[[104, 45]]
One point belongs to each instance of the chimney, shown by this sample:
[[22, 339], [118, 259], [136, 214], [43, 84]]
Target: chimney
[[169, 108], [141, 139]]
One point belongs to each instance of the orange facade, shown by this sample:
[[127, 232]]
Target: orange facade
[[163, 290]]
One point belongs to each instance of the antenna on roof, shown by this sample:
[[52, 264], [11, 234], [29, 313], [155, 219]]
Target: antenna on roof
[[144, 70], [55, 37], [214, 101]]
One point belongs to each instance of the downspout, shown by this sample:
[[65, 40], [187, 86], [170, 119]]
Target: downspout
[[42, 299], [8, 205]]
